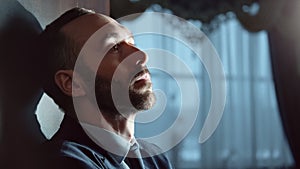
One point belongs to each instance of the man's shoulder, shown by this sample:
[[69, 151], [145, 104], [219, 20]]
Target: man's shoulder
[[69, 154]]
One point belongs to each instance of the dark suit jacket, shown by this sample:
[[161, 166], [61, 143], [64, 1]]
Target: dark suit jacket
[[71, 148]]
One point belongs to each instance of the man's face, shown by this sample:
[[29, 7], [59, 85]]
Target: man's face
[[122, 67]]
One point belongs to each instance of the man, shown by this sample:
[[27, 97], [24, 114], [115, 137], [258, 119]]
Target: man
[[93, 68]]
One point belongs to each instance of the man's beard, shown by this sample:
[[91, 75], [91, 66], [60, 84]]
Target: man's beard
[[140, 98]]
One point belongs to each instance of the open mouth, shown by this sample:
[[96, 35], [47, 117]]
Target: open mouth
[[144, 77], [141, 79]]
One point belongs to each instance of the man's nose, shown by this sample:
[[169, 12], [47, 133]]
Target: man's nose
[[135, 56]]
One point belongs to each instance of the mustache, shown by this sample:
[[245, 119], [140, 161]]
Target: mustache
[[141, 72]]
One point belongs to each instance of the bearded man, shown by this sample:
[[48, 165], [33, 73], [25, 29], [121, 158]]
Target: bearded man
[[96, 75]]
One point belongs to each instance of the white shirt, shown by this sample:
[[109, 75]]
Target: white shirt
[[110, 141]]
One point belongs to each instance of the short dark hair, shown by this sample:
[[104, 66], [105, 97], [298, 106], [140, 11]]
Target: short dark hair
[[59, 52]]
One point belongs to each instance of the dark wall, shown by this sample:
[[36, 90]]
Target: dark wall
[[285, 64], [19, 88], [20, 91]]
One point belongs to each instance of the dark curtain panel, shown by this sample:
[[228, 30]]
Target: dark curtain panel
[[19, 89]]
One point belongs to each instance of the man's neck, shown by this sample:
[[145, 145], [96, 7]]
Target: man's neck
[[111, 121], [123, 126]]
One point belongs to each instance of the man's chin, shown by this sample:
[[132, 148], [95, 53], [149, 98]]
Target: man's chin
[[143, 101]]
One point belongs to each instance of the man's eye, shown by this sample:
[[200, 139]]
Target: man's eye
[[115, 48]]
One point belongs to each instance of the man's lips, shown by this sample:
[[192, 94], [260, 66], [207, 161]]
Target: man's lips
[[143, 76]]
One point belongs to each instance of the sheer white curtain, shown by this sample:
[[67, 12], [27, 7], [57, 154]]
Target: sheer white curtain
[[250, 134]]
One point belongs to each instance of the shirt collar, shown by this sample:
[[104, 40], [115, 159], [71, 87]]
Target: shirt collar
[[116, 145]]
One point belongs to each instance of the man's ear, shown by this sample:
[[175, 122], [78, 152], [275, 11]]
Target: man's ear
[[64, 78]]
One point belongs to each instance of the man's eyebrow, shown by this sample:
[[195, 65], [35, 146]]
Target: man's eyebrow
[[112, 35], [115, 36]]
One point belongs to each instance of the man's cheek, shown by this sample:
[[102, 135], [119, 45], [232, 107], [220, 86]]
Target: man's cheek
[[122, 75]]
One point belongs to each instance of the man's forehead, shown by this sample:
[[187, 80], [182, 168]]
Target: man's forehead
[[88, 20], [84, 26], [95, 34]]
